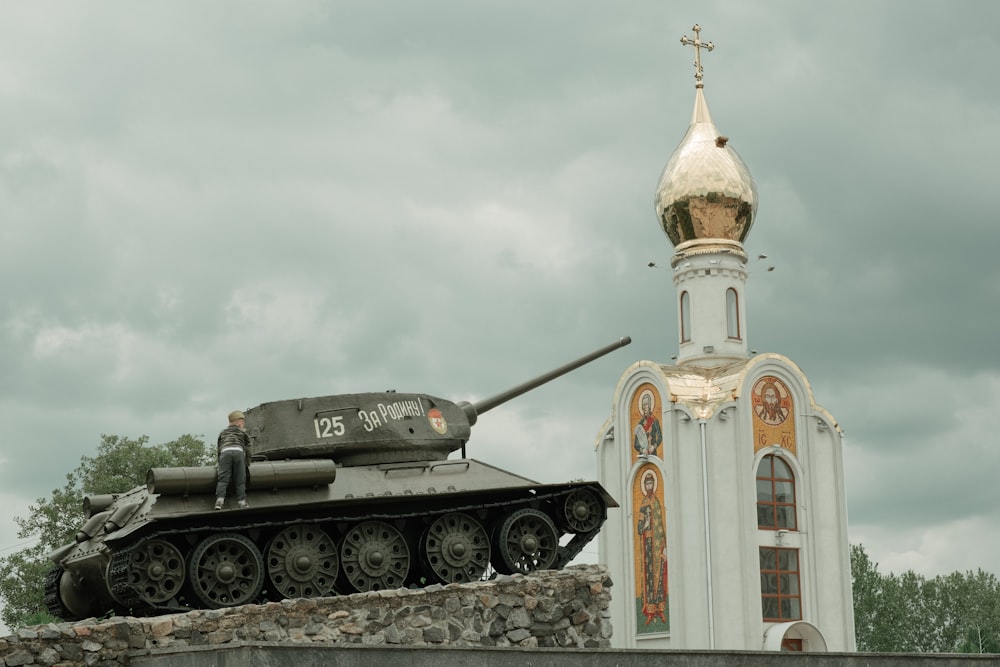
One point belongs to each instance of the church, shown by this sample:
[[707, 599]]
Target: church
[[732, 530]]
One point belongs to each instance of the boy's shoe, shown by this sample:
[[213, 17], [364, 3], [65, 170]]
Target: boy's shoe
[[243, 504], [220, 503]]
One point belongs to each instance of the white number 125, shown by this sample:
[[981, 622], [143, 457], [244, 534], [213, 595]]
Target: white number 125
[[327, 427]]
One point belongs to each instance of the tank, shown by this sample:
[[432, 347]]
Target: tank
[[347, 493]]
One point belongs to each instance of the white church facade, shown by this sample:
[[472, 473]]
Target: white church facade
[[732, 527]]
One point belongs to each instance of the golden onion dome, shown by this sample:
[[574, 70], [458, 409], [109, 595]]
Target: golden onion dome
[[705, 190]]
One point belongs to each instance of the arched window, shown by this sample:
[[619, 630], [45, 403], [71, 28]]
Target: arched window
[[732, 314], [775, 495], [685, 317]]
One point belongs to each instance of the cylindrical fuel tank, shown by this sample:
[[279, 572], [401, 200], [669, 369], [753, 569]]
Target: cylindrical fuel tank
[[263, 475]]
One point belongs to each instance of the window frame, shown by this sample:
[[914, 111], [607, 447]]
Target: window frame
[[685, 303], [773, 505], [792, 645], [733, 324], [779, 596]]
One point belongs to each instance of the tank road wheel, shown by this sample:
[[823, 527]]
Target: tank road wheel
[[374, 556], [583, 511], [302, 562], [456, 548], [226, 570], [156, 571], [526, 541]]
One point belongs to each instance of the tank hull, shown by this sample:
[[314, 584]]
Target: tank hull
[[375, 527]]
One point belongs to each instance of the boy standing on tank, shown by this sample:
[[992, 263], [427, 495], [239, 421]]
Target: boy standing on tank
[[234, 446]]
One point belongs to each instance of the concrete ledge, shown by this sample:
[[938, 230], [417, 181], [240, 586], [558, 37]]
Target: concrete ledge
[[268, 654]]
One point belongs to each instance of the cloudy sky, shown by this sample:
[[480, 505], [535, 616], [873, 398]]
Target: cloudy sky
[[207, 206]]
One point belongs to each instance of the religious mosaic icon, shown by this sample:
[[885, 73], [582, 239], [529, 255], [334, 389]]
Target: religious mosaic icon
[[652, 589], [770, 401], [647, 434], [773, 410]]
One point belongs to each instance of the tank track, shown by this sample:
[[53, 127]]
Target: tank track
[[565, 554], [53, 602], [123, 591], [119, 584]]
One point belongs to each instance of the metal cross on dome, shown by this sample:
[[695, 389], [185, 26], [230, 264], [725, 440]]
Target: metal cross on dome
[[698, 45]]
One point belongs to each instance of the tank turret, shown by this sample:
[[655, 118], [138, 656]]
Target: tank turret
[[348, 493], [387, 427]]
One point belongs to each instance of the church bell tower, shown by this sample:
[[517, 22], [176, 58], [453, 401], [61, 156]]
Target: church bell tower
[[705, 202]]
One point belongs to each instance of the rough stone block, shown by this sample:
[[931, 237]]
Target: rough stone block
[[518, 635], [434, 634], [519, 618], [373, 640], [47, 656], [541, 629], [19, 657], [392, 635]]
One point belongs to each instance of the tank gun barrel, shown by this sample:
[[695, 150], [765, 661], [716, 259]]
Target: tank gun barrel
[[473, 410]]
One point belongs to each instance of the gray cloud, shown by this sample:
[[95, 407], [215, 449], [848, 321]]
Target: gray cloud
[[213, 207]]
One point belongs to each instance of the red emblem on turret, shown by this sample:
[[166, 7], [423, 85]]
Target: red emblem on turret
[[437, 421]]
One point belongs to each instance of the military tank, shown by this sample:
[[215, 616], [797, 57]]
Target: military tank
[[347, 493]]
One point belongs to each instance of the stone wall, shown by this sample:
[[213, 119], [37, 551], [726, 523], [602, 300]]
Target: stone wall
[[558, 609]]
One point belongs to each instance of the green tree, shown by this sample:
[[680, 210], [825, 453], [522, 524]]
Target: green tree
[[881, 608], [868, 595], [119, 465], [959, 612], [979, 629], [980, 640]]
